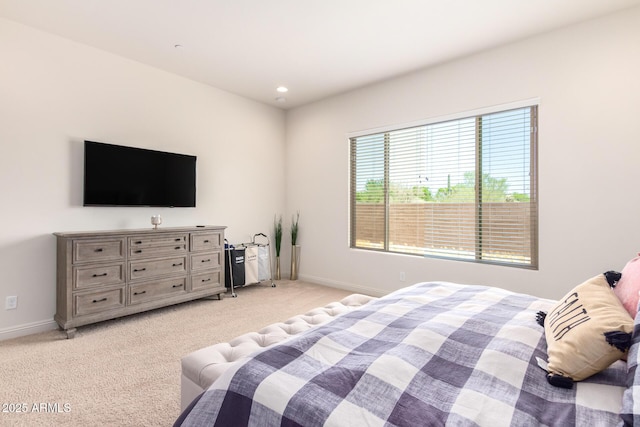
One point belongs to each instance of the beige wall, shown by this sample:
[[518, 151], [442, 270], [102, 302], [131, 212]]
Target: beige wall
[[586, 78], [54, 94]]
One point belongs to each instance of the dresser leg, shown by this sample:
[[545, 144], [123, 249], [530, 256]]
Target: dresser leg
[[70, 333], [220, 296]]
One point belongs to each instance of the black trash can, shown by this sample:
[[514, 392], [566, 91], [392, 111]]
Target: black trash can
[[234, 267]]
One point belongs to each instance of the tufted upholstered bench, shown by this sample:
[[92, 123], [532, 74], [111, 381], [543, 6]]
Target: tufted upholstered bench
[[202, 367]]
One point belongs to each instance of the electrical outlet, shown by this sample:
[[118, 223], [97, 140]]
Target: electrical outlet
[[402, 276], [11, 303]]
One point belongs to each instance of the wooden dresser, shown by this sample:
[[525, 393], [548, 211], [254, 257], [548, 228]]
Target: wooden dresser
[[107, 274]]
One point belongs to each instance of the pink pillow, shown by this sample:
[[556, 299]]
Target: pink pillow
[[629, 285]]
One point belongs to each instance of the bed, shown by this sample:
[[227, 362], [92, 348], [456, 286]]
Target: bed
[[431, 354]]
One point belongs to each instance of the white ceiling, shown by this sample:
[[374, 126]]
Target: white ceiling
[[317, 48]]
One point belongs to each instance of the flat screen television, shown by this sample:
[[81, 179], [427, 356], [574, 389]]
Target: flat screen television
[[115, 175]]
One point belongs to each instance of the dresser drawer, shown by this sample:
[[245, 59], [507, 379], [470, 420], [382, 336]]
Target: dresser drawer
[[148, 291], [97, 275], [157, 267], [208, 280], [206, 241], [206, 261], [147, 246], [154, 251], [161, 240], [98, 250], [97, 302]]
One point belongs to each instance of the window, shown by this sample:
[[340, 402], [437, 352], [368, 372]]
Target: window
[[464, 189]]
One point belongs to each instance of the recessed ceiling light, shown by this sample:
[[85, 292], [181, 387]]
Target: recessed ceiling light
[[177, 46], [282, 89]]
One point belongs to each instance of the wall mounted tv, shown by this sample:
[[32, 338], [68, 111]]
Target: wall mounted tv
[[115, 175]]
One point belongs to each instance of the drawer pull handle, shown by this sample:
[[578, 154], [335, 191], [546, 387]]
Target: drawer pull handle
[[135, 270], [99, 300], [98, 250], [100, 275], [139, 251], [206, 241], [178, 239], [140, 293], [177, 286], [206, 280], [178, 248], [139, 242], [206, 260], [177, 264]]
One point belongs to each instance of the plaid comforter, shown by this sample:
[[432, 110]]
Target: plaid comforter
[[428, 355]]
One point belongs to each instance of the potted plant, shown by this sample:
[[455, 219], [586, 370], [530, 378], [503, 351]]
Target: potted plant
[[295, 256], [277, 231]]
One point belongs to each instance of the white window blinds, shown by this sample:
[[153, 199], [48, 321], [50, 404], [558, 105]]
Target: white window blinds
[[462, 189]]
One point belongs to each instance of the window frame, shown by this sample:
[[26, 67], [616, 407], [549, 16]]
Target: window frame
[[533, 221]]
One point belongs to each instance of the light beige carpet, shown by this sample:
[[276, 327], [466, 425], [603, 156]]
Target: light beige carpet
[[126, 372]]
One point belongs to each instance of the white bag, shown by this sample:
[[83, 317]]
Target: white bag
[[251, 265], [264, 263]]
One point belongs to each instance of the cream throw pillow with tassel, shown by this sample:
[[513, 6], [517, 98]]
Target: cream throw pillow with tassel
[[586, 331]]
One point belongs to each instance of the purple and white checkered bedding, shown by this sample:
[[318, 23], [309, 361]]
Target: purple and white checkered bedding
[[431, 354]]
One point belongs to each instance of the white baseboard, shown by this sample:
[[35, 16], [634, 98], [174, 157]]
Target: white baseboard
[[27, 329], [342, 285]]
